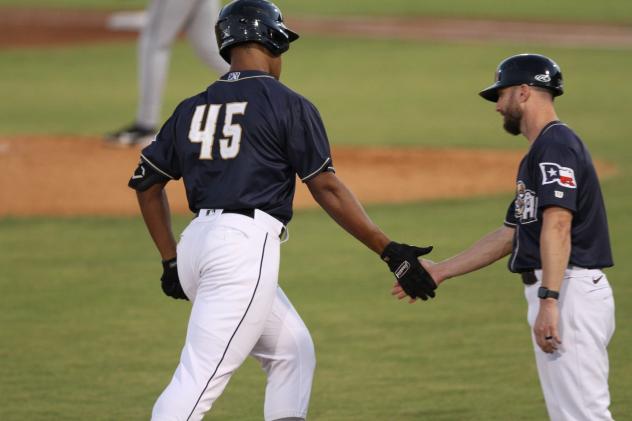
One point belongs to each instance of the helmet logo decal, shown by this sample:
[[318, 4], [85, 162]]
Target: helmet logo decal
[[543, 78]]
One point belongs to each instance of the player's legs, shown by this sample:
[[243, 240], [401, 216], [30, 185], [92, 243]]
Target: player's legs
[[286, 353], [201, 33], [575, 378], [228, 266], [165, 19]]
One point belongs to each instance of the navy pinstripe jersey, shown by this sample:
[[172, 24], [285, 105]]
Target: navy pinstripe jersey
[[241, 143], [558, 171]]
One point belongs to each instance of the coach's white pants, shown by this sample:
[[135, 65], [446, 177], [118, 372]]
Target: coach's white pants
[[228, 266], [574, 379]]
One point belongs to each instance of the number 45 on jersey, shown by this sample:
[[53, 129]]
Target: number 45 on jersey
[[205, 134]]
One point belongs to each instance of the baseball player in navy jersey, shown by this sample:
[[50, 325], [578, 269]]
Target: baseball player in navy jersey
[[165, 20], [556, 234], [238, 146]]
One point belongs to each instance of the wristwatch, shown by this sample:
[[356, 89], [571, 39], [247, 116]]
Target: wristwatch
[[544, 292]]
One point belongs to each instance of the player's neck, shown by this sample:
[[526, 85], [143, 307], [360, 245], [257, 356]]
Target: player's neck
[[254, 57], [533, 123]]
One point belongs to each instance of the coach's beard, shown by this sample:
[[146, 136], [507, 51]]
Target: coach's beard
[[512, 121]]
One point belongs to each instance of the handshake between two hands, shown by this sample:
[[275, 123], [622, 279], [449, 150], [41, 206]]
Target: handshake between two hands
[[412, 279]]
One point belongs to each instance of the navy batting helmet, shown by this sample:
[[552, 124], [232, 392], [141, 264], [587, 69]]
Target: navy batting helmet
[[252, 21], [528, 69]]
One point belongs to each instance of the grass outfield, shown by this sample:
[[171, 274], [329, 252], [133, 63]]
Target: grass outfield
[[84, 324], [85, 332], [570, 10]]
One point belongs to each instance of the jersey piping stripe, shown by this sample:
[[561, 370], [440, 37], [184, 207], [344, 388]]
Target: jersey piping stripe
[[317, 171], [552, 125], [155, 167], [244, 78], [263, 251]]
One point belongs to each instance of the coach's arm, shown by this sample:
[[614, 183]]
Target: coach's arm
[[492, 247]]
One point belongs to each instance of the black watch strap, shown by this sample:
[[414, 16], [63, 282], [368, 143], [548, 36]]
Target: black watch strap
[[544, 293]]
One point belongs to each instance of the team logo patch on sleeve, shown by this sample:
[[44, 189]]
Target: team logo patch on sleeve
[[555, 173], [526, 204]]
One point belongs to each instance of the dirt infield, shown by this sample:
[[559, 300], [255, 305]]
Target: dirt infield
[[75, 176], [81, 176]]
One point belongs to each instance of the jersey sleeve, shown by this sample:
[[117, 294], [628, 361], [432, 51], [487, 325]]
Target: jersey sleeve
[[510, 217], [556, 174], [161, 153], [307, 144]]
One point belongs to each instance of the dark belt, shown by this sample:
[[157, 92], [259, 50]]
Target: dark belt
[[245, 212], [528, 278]]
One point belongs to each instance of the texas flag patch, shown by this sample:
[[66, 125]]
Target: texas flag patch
[[552, 172]]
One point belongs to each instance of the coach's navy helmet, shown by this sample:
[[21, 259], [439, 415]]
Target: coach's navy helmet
[[258, 21], [528, 69]]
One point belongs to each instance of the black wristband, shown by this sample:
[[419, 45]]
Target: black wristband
[[169, 264], [544, 293]]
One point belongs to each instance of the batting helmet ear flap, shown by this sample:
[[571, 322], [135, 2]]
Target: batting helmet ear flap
[[258, 21], [529, 69]]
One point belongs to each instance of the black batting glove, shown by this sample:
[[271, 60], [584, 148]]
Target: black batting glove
[[411, 276], [170, 282]]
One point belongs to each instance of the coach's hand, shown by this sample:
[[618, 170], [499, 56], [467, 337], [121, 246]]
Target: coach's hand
[[413, 278], [169, 280]]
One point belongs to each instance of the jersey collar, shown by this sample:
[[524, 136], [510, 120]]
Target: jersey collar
[[548, 126], [234, 76], [544, 130]]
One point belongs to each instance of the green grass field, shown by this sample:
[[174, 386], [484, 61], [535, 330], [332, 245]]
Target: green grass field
[[85, 333]]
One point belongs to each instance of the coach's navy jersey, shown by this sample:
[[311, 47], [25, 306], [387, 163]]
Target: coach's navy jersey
[[240, 144], [558, 171]]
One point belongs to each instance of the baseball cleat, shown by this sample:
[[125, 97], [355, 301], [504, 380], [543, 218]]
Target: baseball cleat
[[133, 135]]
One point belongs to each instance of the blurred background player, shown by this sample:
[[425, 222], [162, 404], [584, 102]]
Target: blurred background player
[[165, 19]]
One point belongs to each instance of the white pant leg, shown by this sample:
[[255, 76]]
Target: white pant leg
[[201, 34], [286, 353], [165, 19], [228, 266], [574, 379]]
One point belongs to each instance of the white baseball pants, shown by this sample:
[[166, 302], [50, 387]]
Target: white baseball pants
[[228, 266], [574, 379]]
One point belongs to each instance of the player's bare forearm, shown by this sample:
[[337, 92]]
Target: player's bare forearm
[[492, 247], [155, 209], [555, 245], [344, 208]]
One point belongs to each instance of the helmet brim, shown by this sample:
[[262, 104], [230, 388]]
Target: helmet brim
[[490, 93], [291, 35]]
